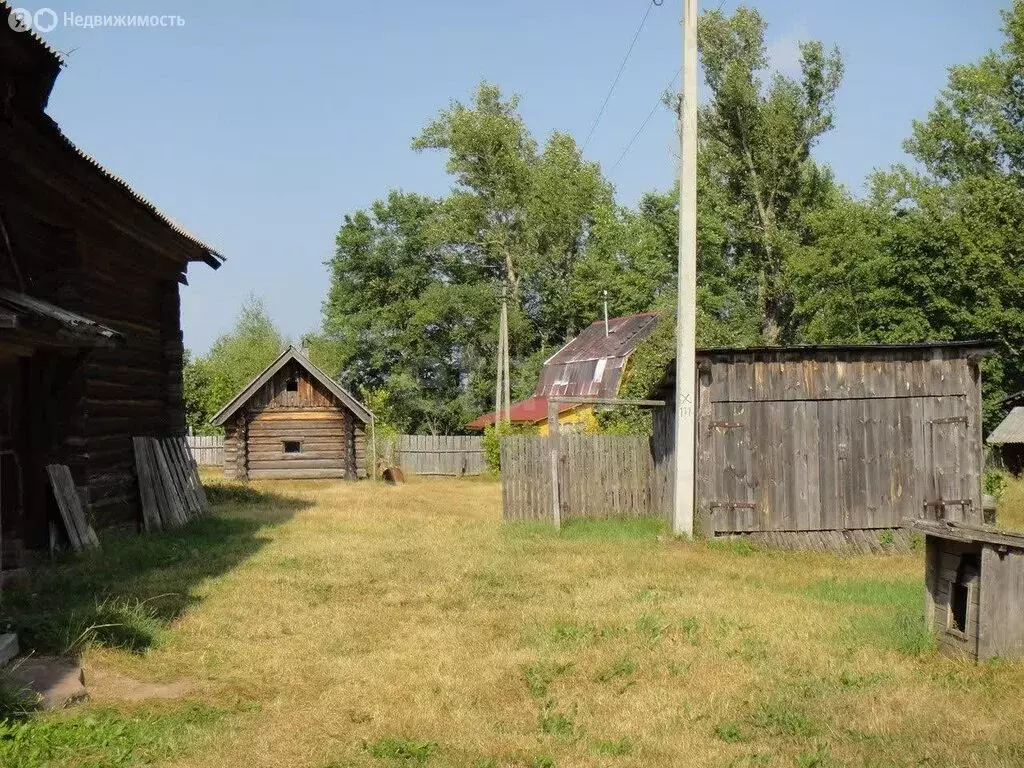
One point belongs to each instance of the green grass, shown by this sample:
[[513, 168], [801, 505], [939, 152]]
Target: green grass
[[104, 737], [126, 594], [398, 749], [375, 627]]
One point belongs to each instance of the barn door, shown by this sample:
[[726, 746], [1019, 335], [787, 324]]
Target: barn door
[[946, 461], [733, 503]]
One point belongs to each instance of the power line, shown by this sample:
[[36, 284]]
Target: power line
[[657, 104], [618, 74], [643, 125]]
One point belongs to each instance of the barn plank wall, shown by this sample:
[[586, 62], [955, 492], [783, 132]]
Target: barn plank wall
[[792, 442]]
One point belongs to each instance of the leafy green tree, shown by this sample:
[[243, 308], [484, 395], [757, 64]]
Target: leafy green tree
[[235, 359], [755, 147], [936, 252]]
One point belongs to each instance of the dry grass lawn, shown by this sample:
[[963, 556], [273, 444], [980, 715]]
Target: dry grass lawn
[[363, 625]]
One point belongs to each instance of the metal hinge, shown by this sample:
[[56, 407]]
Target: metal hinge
[[951, 420], [727, 424], [949, 503], [733, 504]]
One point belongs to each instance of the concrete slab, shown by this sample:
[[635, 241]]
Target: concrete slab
[[8, 648], [55, 681]]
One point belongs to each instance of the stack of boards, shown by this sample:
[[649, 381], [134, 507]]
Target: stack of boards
[[169, 484]]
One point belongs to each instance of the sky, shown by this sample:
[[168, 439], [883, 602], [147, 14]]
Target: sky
[[259, 125]]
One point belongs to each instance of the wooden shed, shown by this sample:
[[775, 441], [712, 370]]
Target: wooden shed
[[804, 445], [294, 421], [974, 588], [90, 335]]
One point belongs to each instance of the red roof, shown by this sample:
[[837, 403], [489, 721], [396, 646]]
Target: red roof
[[529, 411]]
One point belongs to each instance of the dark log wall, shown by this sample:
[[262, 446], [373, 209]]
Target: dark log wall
[[330, 439], [85, 244]]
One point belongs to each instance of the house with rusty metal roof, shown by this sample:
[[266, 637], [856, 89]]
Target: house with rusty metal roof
[[91, 348], [592, 364]]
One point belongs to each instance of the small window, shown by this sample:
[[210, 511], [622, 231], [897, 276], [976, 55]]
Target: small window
[[292, 385], [599, 369], [292, 446]]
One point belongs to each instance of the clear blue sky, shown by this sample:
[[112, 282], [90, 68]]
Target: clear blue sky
[[258, 125]]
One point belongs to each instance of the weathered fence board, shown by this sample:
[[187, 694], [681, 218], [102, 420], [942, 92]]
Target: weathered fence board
[[207, 450], [599, 476], [455, 455]]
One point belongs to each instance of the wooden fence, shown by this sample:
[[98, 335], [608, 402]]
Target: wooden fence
[[599, 476], [207, 450], [455, 455]]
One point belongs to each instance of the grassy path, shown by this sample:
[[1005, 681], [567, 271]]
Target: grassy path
[[359, 625]]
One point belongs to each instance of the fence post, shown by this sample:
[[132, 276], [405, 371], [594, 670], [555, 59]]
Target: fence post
[[556, 510]]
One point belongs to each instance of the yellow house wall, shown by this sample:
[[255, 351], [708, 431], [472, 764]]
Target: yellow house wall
[[584, 416]]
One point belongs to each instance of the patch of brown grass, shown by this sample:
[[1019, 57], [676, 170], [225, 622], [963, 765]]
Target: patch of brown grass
[[408, 626]]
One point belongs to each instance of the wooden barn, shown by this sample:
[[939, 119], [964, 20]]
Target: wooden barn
[[90, 338], [813, 446], [294, 421], [974, 588]]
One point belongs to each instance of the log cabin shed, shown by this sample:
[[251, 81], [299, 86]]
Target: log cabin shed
[[292, 422], [90, 336], [804, 445]]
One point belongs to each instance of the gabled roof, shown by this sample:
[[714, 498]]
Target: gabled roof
[[593, 362], [1010, 429], [289, 355], [34, 56]]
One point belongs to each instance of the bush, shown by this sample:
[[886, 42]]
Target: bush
[[492, 441], [993, 483]]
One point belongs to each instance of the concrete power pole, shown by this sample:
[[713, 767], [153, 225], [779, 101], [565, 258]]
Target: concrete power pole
[[499, 383], [505, 356], [686, 338]]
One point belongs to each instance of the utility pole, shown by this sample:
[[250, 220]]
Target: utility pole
[[504, 331], [606, 314], [499, 385], [686, 312]]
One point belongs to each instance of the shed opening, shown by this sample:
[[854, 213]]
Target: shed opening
[[292, 384], [292, 446], [960, 594]]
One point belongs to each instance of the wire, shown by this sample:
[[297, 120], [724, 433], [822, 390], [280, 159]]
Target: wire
[[643, 125], [618, 74], [657, 104]]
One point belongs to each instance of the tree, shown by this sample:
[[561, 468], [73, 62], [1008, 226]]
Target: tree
[[235, 359], [937, 252], [755, 146]]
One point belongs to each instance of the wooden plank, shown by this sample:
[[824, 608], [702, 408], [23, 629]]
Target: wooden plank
[[80, 533], [174, 510], [147, 493], [166, 446]]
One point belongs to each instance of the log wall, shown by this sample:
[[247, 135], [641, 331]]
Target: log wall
[[83, 242], [294, 410]]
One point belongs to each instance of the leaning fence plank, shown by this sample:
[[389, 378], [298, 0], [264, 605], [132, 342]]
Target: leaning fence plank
[[147, 493], [80, 533]]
